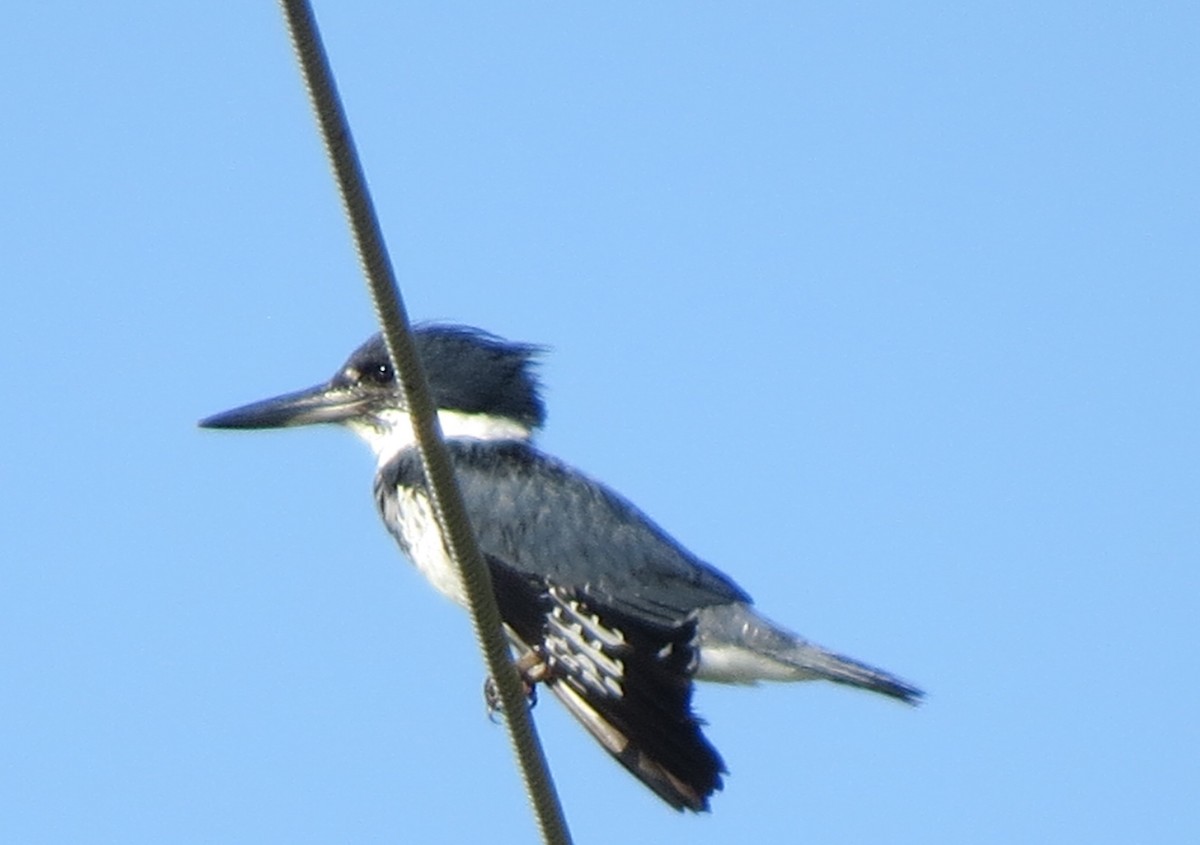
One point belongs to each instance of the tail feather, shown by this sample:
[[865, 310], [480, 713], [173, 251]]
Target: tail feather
[[737, 645], [845, 670]]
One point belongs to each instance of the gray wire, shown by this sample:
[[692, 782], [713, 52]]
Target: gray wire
[[443, 491]]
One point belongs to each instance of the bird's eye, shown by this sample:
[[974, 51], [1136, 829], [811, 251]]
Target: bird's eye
[[378, 374]]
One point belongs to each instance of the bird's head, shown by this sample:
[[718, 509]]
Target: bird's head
[[483, 387]]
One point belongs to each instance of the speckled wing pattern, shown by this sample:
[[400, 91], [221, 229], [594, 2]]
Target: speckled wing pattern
[[626, 680]]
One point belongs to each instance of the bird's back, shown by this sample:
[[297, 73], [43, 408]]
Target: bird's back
[[540, 517]]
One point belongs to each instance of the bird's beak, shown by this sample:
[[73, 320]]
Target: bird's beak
[[325, 403]]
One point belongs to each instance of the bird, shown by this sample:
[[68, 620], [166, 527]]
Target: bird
[[600, 605]]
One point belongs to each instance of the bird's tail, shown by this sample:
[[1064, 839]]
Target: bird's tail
[[737, 645]]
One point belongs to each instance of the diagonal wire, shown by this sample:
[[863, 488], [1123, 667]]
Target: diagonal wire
[[443, 491]]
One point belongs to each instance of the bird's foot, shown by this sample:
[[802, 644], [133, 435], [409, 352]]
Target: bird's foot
[[532, 669]]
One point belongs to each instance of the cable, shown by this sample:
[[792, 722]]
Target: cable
[[443, 491]]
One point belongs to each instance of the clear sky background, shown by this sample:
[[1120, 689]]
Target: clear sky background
[[889, 310]]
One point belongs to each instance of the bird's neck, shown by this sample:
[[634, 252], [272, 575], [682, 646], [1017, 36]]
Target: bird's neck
[[390, 432]]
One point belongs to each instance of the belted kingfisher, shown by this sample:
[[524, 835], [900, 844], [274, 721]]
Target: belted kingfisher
[[600, 604]]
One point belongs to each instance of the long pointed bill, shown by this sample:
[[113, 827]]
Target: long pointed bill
[[324, 403]]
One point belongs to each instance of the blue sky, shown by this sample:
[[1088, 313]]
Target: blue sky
[[888, 310]]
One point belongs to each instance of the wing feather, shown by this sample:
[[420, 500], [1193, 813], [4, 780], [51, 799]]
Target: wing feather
[[626, 680]]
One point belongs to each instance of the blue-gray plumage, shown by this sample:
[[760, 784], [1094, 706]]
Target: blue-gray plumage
[[517, 498], [601, 605]]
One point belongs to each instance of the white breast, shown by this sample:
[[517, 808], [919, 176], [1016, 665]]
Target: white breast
[[407, 513], [410, 518]]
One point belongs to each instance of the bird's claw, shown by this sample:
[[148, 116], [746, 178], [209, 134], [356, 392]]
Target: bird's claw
[[532, 669], [495, 706]]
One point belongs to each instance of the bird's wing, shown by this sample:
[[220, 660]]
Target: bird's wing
[[605, 597], [544, 519], [626, 679]]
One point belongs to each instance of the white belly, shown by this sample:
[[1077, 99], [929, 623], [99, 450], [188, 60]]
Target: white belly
[[725, 663]]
